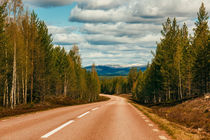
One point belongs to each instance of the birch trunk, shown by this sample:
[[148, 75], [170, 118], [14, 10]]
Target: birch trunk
[[13, 91], [65, 86], [180, 83], [23, 86], [4, 96], [18, 93], [7, 92]]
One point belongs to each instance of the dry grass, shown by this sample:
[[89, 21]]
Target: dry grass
[[50, 102], [176, 131], [193, 114]]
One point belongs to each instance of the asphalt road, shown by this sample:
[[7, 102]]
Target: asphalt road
[[115, 119]]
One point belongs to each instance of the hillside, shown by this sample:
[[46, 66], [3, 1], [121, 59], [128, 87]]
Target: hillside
[[193, 114], [113, 70]]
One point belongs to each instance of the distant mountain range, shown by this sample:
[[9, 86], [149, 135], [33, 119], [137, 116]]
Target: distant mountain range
[[114, 70]]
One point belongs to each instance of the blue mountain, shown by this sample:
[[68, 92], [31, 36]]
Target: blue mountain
[[114, 70]]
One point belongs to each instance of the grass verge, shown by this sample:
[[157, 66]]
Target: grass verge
[[176, 131]]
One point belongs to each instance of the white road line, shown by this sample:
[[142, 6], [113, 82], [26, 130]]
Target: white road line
[[146, 120], [95, 108], [143, 117], [80, 116], [57, 129], [162, 137], [155, 130], [151, 125], [3, 120]]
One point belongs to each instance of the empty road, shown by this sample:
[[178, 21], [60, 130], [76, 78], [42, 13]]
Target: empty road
[[115, 119]]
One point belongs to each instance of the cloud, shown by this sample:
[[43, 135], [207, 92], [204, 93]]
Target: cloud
[[49, 3], [88, 4], [101, 4], [134, 11], [120, 14], [64, 29], [119, 31]]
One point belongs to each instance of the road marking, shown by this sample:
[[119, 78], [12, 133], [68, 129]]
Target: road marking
[[162, 137], [83, 114], [155, 130], [95, 108], [151, 125], [146, 120], [57, 129], [143, 117], [3, 120]]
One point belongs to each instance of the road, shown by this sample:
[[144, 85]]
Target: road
[[115, 119]]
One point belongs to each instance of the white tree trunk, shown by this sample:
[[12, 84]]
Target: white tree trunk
[[13, 92], [23, 86], [65, 86]]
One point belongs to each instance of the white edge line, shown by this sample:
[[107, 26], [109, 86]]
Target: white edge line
[[57, 129], [155, 130], [83, 114], [151, 125], [162, 137]]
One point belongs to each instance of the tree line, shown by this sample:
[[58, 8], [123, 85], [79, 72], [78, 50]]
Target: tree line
[[116, 85], [179, 69], [31, 67], [120, 84]]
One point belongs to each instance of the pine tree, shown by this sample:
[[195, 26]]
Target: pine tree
[[200, 52]]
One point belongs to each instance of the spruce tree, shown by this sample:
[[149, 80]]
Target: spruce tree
[[200, 52]]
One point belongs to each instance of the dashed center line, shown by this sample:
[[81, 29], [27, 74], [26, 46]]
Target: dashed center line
[[64, 125], [162, 137], [80, 116], [95, 108], [57, 129], [146, 120]]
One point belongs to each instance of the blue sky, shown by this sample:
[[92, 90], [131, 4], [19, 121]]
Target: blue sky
[[112, 31], [58, 16]]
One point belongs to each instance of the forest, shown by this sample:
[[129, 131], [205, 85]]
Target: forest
[[179, 69], [32, 68]]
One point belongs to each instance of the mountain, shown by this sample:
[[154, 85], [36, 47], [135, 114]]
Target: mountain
[[114, 70]]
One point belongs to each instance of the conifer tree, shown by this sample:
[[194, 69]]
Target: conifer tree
[[200, 51]]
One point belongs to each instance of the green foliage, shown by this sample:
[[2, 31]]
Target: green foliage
[[180, 67], [115, 85], [43, 70]]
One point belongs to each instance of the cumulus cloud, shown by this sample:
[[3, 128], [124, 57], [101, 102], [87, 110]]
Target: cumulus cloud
[[49, 3], [120, 14], [119, 31], [135, 11]]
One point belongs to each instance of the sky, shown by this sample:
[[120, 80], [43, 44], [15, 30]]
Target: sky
[[120, 32]]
